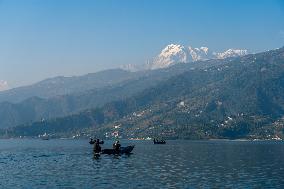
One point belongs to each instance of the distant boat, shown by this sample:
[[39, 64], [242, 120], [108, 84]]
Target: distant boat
[[159, 141], [44, 136]]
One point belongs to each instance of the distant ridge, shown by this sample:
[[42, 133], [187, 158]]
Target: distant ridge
[[67, 85]]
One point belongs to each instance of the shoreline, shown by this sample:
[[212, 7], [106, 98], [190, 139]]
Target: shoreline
[[131, 139]]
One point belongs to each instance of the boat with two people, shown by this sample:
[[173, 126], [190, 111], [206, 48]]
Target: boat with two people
[[116, 150]]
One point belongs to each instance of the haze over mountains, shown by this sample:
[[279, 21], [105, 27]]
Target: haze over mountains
[[67, 85], [62, 96], [172, 54], [233, 97], [3, 85]]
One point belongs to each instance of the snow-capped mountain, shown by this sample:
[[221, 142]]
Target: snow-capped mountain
[[175, 53], [170, 55], [231, 53], [202, 53]]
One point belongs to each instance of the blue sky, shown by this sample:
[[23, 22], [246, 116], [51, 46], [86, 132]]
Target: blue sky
[[46, 38]]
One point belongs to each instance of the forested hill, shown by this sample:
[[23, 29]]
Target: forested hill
[[37, 108], [240, 98], [67, 85]]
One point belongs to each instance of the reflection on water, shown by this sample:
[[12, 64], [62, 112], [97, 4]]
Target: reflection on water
[[178, 164]]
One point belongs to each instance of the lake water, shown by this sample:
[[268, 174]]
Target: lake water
[[178, 164]]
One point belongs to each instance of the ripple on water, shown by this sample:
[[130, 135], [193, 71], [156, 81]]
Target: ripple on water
[[178, 164]]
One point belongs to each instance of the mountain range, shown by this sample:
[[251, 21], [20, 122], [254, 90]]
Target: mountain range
[[61, 96], [235, 97], [67, 85], [174, 54]]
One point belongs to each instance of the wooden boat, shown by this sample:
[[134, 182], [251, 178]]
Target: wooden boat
[[159, 141], [122, 150]]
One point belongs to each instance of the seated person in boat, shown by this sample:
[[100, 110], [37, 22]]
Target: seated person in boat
[[97, 147], [116, 146]]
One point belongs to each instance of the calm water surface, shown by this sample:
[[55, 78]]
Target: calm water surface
[[178, 164]]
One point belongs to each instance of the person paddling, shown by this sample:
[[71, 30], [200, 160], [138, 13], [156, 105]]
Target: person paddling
[[116, 146]]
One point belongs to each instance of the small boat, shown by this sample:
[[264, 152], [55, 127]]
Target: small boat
[[122, 150], [159, 141], [44, 136]]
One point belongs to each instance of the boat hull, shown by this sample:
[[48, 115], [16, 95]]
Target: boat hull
[[122, 150], [164, 142]]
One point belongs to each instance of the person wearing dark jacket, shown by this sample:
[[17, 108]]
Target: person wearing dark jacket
[[116, 146], [97, 147]]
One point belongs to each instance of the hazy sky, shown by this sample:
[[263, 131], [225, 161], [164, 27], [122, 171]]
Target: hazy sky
[[46, 38]]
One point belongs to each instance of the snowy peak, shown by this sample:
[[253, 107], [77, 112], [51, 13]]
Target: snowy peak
[[171, 54], [196, 54], [172, 49], [231, 53], [174, 54]]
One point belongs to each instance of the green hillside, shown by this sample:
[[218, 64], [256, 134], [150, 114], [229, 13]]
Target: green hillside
[[235, 98]]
